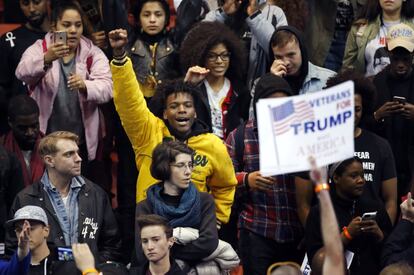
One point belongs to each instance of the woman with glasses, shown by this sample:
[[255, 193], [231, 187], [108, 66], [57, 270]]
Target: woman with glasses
[[213, 56], [177, 199]]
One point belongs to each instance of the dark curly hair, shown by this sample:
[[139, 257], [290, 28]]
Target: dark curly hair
[[158, 102], [363, 87], [372, 9], [296, 12], [204, 36]]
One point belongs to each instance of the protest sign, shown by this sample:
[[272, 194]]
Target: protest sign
[[291, 129]]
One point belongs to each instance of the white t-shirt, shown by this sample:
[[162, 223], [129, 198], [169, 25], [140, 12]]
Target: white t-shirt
[[215, 100], [27, 155], [376, 55]]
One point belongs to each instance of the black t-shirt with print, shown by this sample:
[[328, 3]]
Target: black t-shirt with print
[[378, 162]]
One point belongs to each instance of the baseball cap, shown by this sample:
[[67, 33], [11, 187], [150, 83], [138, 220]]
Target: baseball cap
[[29, 212], [400, 35]]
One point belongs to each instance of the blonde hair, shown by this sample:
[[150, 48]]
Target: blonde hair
[[47, 145]]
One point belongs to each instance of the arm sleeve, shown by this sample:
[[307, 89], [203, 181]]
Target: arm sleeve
[[99, 82], [14, 266], [223, 182], [110, 240], [138, 121], [399, 245], [351, 49], [263, 29], [30, 69], [208, 237]]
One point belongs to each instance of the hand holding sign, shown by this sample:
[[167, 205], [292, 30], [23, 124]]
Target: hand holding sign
[[293, 128]]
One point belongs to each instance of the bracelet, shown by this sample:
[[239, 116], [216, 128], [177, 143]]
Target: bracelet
[[346, 233], [89, 270], [321, 186]]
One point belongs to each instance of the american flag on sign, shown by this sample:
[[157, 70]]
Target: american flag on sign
[[289, 112]]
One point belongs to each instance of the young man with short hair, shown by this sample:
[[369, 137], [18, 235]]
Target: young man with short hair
[[291, 62], [156, 240], [42, 256], [24, 137], [77, 209], [394, 115], [176, 119]]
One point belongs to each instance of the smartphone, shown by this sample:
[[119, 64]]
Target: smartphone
[[65, 254], [399, 99], [60, 36], [369, 216]]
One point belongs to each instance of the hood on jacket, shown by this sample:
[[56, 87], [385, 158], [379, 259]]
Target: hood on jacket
[[295, 82]]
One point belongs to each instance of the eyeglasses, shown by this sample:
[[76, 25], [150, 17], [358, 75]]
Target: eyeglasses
[[183, 166], [212, 57]]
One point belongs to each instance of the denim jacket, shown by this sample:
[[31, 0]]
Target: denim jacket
[[316, 79], [67, 216]]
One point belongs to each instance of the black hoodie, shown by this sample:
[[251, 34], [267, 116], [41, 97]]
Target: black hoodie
[[295, 82]]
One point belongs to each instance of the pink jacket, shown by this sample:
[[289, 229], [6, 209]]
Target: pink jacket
[[44, 85]]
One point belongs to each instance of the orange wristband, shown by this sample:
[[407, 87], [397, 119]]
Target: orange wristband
[[321, 186], [346, 233]]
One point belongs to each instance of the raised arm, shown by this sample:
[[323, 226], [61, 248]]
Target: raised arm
[[136, 118], [334, 258]]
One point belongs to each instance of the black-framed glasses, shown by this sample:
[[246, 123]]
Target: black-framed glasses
[[184, 166], [212, 57]]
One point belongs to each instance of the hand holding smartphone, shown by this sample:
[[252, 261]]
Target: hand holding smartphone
[[60, 36], [369, 216], [399, 99]]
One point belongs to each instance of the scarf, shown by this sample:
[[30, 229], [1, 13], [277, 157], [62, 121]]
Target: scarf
[[188, 212], [37, 166]]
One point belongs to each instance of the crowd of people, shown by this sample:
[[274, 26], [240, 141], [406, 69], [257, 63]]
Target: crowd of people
[[170, 88]]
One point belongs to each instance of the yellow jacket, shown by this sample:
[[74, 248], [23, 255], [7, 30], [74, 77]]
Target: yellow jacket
[[213, 171]]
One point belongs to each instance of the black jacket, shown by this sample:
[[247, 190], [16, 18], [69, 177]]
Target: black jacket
[[237, 111], [367, 250], [399, 245], [94, 207], [166, 60]]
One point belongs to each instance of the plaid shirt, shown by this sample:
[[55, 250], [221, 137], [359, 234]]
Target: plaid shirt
[[271, 214]]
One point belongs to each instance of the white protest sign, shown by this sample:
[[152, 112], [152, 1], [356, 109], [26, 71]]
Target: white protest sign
[[319, 124]]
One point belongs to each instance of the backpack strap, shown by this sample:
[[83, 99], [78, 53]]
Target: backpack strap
[[239, 146]]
